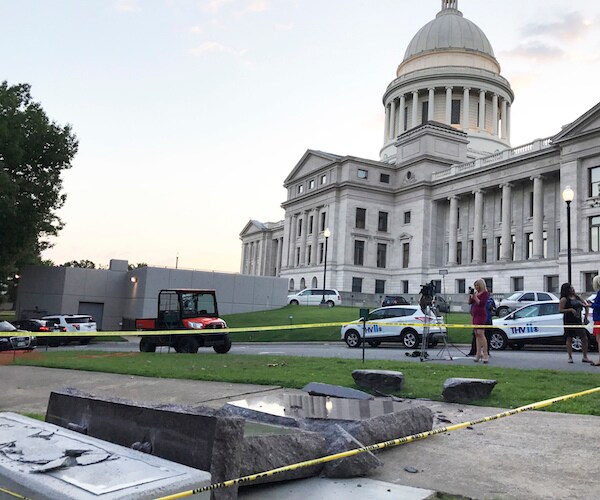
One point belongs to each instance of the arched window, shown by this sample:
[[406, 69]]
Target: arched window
[[314, 283], [291, 287], [302, 284]]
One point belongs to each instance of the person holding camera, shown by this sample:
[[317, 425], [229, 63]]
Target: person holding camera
[[478, 298]]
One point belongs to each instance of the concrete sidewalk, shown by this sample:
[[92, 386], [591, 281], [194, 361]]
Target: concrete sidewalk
[[534, 455]]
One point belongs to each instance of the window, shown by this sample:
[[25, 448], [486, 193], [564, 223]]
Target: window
[[405, 118], [471, 250], [322, 224], [530, 204], [359, 252], [297, 256], [302, 284], [311, 184], [558, 239], [324, 179], [382, 223], [529, 247], [381, 254], [517, 283], [484, 250], [459, 252], [300, 227], [460, 286], [385, 178], [291, 285], [595, 233], [552, 283], [455, 111], [498, 247], [357, 284], [595, 181], [587, 280], [424, 111], [489, 283], [513, 242], [300, 189], [321, 252], [310, 224], [405, 254], [308, 254], [379, 286], [361, 216], [406, 217], [457, 217], [404, 286], [362, 173]]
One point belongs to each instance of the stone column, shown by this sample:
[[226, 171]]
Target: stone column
[[415, 108], [503, 114], [430, 105], [478, 228], [506, 222], [303, 238], [466, 110], [538, 217], [402, 124], [292, 241], [481, 110], [386, 124], [452, 230], [495, 114], [392, 124], [244, 265], [448, 105], [315, 236], [508, 122]]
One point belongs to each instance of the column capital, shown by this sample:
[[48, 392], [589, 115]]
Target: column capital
[[537, 176], [415, 92], [478, 191], [468, 89], [506, 184], [430, 89], [481, 91], [453, 197]]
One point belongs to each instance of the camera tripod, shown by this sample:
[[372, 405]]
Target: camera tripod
[[432, 309]]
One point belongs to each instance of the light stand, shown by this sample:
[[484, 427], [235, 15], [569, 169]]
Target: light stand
[[327, 234], [568, 196]]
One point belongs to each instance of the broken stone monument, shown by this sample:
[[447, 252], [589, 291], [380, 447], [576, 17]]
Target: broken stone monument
[[381, 381]]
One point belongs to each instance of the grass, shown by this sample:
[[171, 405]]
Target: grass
[[310, 315], [515, 387]]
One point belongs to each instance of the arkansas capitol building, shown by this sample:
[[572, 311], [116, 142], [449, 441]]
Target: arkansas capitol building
[[448, 192]]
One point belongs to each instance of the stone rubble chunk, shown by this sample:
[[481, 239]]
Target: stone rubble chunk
[[379, 380], [463, 390], [360, 464]]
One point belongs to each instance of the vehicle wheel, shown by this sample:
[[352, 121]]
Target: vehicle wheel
[[294, 302], [352, 338], [330, 303], [146, 345], [577, 344], [503, 311], [517, 346], [187, 345], [84, 341], [498, 340], [374, 343], [410, 338], [223, 348]]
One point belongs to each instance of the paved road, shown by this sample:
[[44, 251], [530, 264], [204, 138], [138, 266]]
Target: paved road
[[553, 358]]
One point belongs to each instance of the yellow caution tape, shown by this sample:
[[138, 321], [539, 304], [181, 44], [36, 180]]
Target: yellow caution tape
[[377, 446], [13, 494]]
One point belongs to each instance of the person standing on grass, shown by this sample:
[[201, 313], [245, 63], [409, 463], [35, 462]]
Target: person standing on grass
[[478, 300], [596, 314], [571, 306]]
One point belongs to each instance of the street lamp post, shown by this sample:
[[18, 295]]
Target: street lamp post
[[568, 196], [327, 234]]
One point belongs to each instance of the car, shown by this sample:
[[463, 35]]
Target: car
[[519, 299], [394, 300], [385, 324], [11, 342], [538, 323], [314, 297], [76, 323], [43, 326]]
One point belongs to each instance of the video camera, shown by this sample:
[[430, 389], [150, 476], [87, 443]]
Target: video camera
[[427, 293]]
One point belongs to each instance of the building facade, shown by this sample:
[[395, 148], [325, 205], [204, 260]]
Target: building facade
[[449, 199]]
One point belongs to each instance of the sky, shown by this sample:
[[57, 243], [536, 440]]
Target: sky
[[191, 113]]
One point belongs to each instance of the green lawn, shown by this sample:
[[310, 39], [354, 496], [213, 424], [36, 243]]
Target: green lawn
[[298, 316], [423, 380]]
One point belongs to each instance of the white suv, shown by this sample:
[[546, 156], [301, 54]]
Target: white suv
[[314, 296], [76, 323], [520, 299]]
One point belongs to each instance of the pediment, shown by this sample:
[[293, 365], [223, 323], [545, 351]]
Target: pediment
[[252, 227], [310, 162], [585, 124]]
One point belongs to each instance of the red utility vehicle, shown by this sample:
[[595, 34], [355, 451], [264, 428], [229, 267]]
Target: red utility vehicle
[[184, 309]]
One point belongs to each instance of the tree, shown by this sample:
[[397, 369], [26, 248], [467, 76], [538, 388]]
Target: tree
[[85, 264], [33, 153], [131, 267]]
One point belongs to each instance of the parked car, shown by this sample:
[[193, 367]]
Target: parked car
[[382, 325], [11, 342], [539, 323], [519, 299], [394, 300], [76, 323], [314, 296], [43, 326]]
